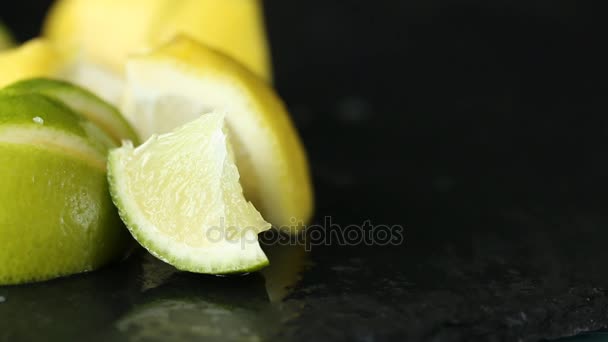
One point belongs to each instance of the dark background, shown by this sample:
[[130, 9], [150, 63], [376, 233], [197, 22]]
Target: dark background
[[481, 128], [457, 89]]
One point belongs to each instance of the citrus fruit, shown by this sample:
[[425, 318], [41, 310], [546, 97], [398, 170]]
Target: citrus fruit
[[182, 79], [103, 33], [102, 82], [179, 195], [234, 27], [56, 215], [81, 101], [100, 34], [35, 58], [41, 58]]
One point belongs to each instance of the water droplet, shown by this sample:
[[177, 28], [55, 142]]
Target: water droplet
[[2, 299], [39, 120]]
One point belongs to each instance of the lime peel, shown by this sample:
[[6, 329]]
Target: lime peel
[[103, 114]]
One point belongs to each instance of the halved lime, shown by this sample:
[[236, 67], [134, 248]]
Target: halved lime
[[56, 215], [179, 195], [82, 101]]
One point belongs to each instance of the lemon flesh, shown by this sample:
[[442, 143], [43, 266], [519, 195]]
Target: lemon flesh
[[178, 82], [104, 32], [180, 197], [101, 113], [35, 58], [56, 215]]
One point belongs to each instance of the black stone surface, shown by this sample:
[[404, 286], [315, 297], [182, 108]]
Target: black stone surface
[[478, 127]]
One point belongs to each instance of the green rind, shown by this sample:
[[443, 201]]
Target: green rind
[[136, 229], [21, 109], [38, 111], [56, 218], [81, 101]]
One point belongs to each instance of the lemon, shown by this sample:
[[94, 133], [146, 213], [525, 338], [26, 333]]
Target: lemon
[[101, 81], [103, 33], [6, 39], [234, 27], [56, 215], [41, 58], [82, 101], [180, 197], [182, 79], [100, 34], [35, 58]]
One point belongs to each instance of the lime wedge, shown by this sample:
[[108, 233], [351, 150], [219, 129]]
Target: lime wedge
[[179, 195]]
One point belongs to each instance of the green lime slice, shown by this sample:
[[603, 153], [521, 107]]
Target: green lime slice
[[106, 116], [179, 195]]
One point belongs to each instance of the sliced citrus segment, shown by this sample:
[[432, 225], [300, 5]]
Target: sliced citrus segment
[[181, 80], [179, 195], [56, 215], [54, 120], [82, 101]]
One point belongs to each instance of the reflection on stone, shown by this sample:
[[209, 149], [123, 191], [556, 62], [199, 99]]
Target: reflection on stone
[[190, 306], [286, 266], [67, 309]]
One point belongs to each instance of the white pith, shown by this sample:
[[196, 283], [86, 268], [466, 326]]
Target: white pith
[[53, 140], [100, 80]]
